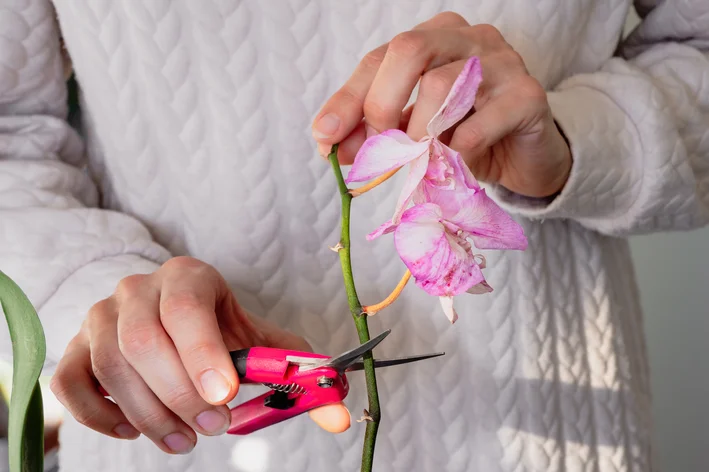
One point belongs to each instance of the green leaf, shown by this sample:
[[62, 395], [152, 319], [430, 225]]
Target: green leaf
[[26, 424]]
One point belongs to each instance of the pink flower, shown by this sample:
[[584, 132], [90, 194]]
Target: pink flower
[[432, 240], [430, 159]]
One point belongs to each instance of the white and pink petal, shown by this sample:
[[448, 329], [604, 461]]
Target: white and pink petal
[[460, 99], [384, 152], [417, 170], [438, 263], [489, 226]]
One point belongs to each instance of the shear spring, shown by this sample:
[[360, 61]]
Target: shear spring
[[287, 388]]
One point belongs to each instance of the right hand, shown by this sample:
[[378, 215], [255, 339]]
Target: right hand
[[160, 347]]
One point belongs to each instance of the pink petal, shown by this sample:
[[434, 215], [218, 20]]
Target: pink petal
[[446, 194], [482, 287], [490, 227], [416, 173], [384, 152], [438, 263], [460, 99], [447, 305], [386, 228], [461, 171]]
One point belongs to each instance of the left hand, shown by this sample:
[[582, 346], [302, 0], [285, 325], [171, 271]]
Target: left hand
[[510, 138]]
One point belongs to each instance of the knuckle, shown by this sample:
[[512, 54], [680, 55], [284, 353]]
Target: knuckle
[[469, 137], [346, 97], [139, 340], [87, 416], [181, 399], [147, 422], [201, 353], [96, 318], [181, 304], [451, 18], [191, 265], [182, 263], [532, 91], [436, 84], [512, 57], [131, 285], [99, 310], [372, 60], [375, 112], [108, 366], [408, 44], [61, 386], [489, 32]]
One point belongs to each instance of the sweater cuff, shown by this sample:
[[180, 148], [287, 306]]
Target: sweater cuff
[[599, 185]]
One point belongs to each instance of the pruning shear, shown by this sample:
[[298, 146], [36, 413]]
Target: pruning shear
[[298, 381]]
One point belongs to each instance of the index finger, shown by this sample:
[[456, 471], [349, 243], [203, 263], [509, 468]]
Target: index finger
[[189, 297]]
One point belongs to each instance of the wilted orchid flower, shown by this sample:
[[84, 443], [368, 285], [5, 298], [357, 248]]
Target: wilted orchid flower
[[433, 240], [429, 158]]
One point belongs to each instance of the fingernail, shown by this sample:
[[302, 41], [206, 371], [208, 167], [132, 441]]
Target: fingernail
[[370, 131], [213, 422], [126, 431], [178, 442], [324, 150], [326, 126], [215, 386]]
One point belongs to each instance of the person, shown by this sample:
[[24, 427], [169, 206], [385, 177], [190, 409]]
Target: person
[[190, 215]]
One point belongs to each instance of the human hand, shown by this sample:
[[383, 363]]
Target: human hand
[[510, 138], [160, 347]]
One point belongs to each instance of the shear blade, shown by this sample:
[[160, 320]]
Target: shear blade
[[391, 362], [343, 361]]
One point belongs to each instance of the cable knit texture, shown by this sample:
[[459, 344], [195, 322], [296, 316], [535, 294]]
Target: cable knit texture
[[196, 141]]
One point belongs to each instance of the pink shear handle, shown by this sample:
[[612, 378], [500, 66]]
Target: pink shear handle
[[254, 414]]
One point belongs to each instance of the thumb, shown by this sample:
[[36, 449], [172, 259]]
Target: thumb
[[333, 418]]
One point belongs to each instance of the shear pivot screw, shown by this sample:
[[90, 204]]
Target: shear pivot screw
[[325, 382]]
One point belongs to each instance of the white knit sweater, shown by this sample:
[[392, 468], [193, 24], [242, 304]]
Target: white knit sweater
[[196, 137]]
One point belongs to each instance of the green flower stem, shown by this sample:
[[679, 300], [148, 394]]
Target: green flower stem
[[360, 318]]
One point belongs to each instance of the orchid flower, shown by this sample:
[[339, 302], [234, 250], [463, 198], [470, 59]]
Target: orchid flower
[[432, 240], [433, 237], [429, 158]]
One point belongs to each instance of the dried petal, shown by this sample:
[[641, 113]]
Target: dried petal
[[460, 99], [479, 289], [448, 309]]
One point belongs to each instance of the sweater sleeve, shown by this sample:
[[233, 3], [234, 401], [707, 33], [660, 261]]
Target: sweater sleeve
[[638, 130], [62, 250]]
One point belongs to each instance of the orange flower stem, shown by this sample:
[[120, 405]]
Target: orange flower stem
[[356, 192], [373, 309]]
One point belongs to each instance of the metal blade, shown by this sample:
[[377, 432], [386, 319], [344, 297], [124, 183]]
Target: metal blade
[[390, 362], [343, 361]]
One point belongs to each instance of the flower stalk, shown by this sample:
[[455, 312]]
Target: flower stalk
[[360, 318], [373, 309]]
